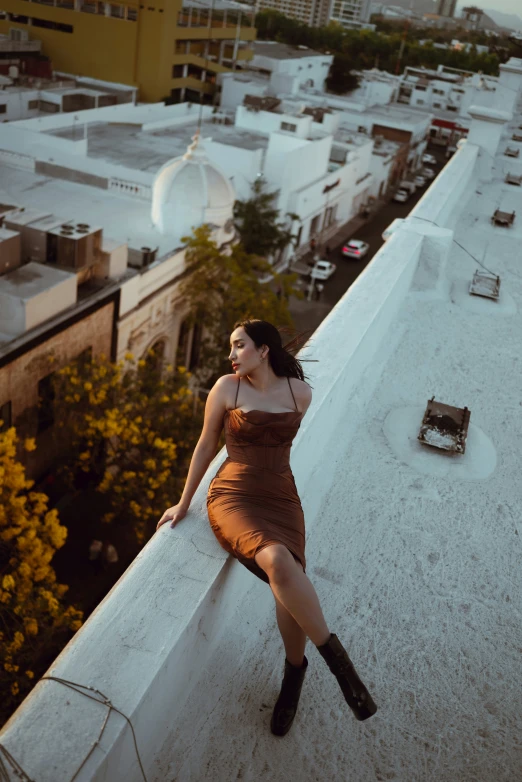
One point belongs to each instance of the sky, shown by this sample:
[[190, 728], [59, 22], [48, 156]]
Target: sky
[[507, 6]]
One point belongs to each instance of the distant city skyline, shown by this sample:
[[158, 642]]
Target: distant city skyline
[[505, 6]]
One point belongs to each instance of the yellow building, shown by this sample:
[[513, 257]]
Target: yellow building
[[169, 50]]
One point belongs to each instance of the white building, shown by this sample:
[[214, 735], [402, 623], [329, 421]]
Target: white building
[[352, 14], [309, 112], [26, 97], [393, 122], [414, 550], [291, 67], [123, 225], [452, 90], [376, 87], [314, 13], [448, 93]]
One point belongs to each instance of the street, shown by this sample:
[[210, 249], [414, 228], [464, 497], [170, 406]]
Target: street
[[308, 315]]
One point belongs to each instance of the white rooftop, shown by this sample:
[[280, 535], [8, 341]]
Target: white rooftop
[[414, 552], [125, 219]]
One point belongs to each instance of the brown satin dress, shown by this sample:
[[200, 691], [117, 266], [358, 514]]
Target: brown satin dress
[[252, 501]]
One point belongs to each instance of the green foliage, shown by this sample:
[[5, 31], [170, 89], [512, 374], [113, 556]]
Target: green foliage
[[222, 287], [257, 222], [365, 49], [341, 79]]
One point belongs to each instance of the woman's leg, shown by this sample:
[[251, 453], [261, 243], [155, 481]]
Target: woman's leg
[[293, 637], [293, 589]]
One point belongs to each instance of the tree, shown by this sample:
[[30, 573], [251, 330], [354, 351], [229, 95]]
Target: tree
[[130, 429], [256, 222], [363, 47], [341, 79], [222, 287], [34, 622]]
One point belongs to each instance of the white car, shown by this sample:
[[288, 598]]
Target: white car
[[429, 160], [322, 270], [355, 248], [392, 228], [428, 173], [401, 195], [420, 181]]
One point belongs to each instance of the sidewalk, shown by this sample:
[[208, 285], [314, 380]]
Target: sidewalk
[[309, 314]]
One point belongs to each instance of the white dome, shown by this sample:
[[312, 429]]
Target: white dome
[[189, 191]]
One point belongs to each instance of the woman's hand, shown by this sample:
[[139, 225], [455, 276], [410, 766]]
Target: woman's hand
[[174, 514]]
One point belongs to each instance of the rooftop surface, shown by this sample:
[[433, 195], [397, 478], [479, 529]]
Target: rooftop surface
[[414, 555], [284, 51], [128, 145], [125, 219]]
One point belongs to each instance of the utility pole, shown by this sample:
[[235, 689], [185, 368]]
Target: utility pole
[[403, 42]]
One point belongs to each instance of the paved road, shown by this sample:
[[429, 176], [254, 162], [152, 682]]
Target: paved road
[[348, 269], [308, 315]]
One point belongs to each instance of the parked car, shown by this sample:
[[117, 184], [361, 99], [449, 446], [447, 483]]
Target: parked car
[[401, 195], [408, 185], [322, 270], [355, 248], [429, 160], [420, 181], [392, 228], [429, 173]]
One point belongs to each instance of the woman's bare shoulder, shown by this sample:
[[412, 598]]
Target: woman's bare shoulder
[[302, 391], [227, 385], [227, 381]]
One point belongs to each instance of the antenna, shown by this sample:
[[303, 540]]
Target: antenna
[[211, 20]]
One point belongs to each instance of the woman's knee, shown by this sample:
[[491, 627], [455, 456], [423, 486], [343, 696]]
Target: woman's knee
[[276, 560]]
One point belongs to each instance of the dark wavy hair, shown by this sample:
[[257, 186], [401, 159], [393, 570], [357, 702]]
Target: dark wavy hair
[[280, 356]]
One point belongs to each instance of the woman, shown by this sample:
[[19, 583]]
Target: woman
[[254, 508]]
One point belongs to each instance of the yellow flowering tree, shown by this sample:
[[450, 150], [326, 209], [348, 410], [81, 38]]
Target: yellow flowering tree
[[131, 428], [33, 618]]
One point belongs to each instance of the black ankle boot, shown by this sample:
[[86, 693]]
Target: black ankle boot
[[286, 705], [355, 693]]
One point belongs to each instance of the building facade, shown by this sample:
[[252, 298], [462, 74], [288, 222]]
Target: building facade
[[314, 13], [350, 13], [169, 50], [447, 7]]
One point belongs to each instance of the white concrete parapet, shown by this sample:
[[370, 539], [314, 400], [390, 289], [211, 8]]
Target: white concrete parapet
[[146, 643], [487, 127]]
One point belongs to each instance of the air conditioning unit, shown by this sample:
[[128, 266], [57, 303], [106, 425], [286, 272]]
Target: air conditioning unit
[[142, 257], [148, 255], [74, 245], [10, 250], [23, 220]]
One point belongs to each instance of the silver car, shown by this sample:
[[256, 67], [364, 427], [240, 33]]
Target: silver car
[[401, 195], [355, 248]]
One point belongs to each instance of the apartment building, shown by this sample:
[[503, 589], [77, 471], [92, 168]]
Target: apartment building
[[314, 13], [350, 13], [172, 50]]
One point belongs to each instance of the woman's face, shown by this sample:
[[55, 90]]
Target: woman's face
[[244, 355]]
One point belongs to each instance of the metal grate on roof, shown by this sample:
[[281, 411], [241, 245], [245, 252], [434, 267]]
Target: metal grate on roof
[[513, 179], [512, 152], [261, 103], [445, 427], [503, 218], [484, 284]]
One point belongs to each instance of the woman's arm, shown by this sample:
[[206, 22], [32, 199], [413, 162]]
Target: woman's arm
[[204, 451]]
